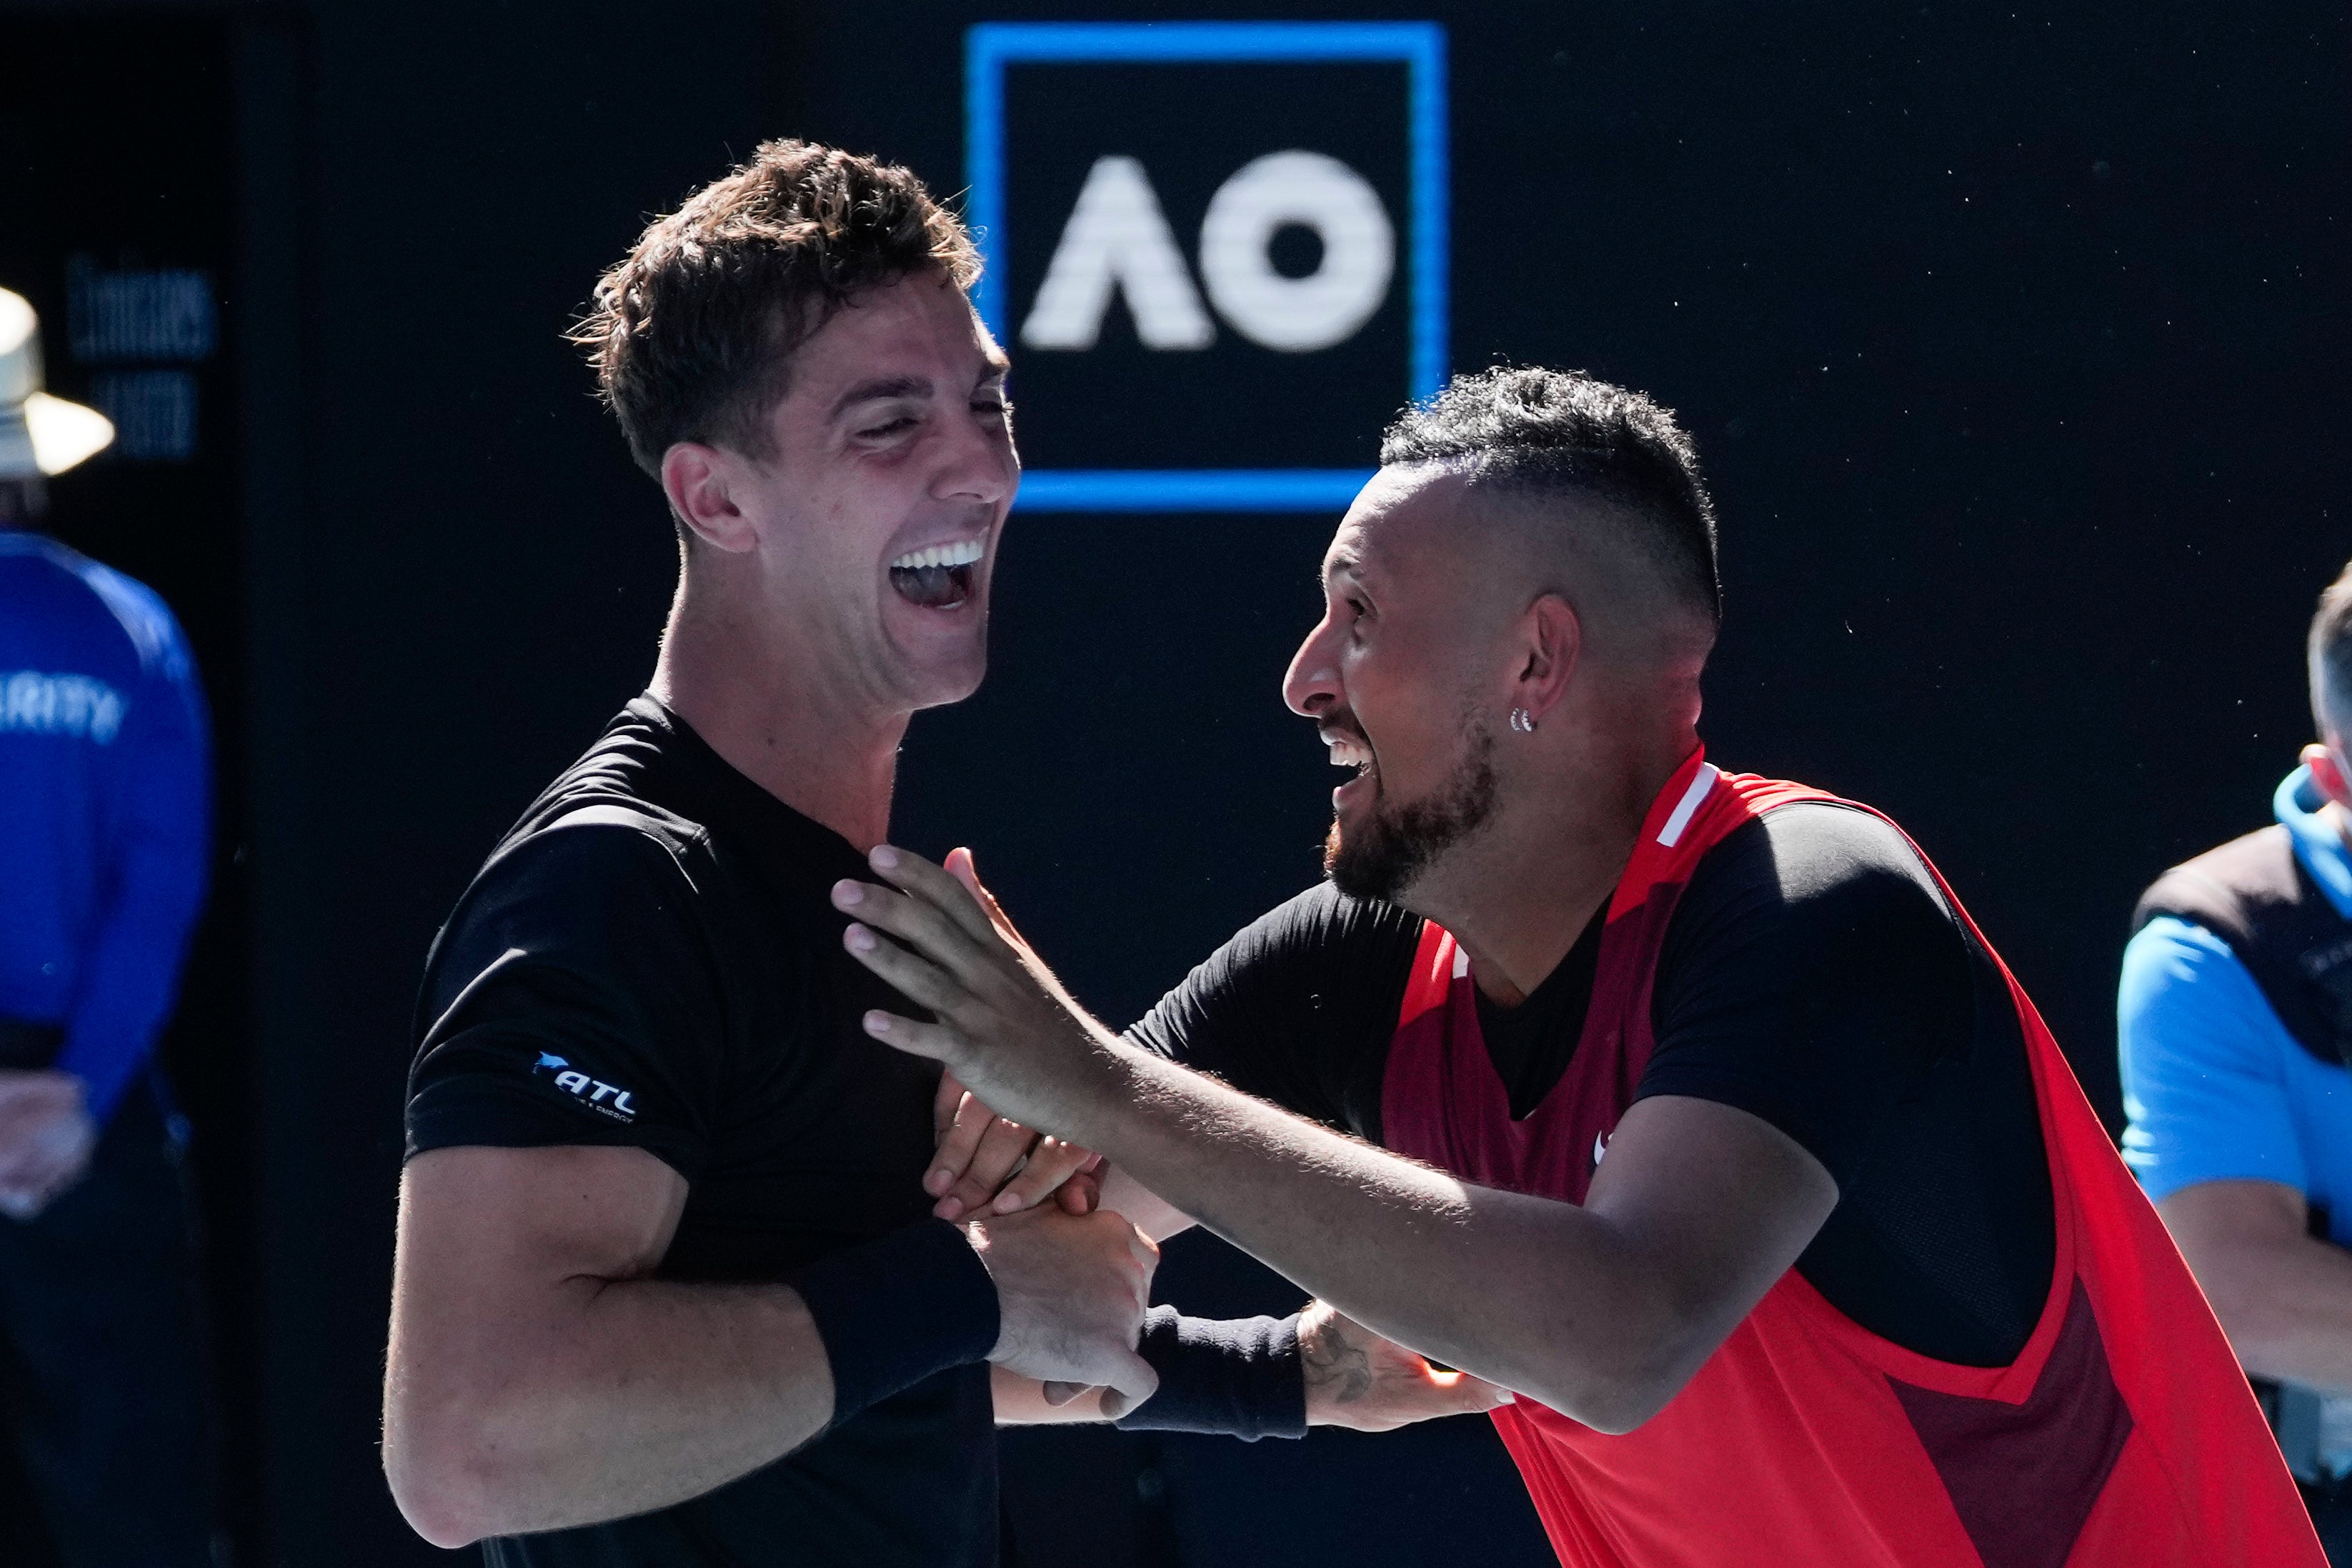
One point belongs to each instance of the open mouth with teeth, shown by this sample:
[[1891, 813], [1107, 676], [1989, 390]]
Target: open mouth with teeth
[[1349, 750], [937, 578]]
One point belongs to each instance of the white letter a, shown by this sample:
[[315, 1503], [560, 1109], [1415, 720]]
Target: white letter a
[[1118, 237]]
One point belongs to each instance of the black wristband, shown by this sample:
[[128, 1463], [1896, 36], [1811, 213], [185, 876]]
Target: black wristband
[[895, 1311], [1240, 1377]]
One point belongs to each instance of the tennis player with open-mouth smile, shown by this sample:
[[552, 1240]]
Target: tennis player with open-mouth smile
[[668, 1289]]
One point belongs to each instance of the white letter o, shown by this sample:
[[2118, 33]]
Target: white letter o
[[1316, 192]]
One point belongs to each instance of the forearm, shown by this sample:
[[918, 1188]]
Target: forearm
[[1022, 1402], [130, 974], [620, 1396], [1245, 1377], [2282, 1296], [1262, 1377], [1602, 1307], [127, 998], [2286, 1305], [129, 983], [1538, 1296], [1121, 1194], [540, 1375]]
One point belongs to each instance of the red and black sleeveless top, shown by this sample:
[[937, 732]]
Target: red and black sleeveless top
[[2123, 1434]]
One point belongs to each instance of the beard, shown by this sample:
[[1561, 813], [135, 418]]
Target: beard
[[1391, 849]]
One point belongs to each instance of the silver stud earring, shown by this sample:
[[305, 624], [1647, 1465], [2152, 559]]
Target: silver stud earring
[[1523, 721]]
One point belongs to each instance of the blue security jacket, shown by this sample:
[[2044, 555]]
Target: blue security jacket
[[105, 807], [2215, 1087]]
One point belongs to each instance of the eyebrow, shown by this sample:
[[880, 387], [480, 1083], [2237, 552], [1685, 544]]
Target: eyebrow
[[1343, 561], [999, 367], [882, 386]]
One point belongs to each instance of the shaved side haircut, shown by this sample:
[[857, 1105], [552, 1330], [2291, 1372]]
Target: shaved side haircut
[[2330, 652], [1600, 464]]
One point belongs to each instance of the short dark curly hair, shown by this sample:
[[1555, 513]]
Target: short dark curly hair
[[691, 333], [1525, 429]]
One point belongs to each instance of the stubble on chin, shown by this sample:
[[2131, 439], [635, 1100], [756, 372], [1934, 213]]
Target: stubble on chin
[[1391, 847]]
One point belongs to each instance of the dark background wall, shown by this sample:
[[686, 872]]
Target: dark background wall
[[2012, 343]]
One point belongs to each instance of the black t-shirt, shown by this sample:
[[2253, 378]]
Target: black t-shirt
[[1813, 974], [651, 958]]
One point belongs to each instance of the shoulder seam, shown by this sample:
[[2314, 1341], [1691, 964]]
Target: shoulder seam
[[137, 610]]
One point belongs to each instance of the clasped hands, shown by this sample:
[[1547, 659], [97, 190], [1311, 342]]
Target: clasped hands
[[1001, 1023], [47, 1136], [1004, 1025]]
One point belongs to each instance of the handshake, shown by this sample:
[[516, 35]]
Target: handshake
[[1074, 1284], [47, 1136]]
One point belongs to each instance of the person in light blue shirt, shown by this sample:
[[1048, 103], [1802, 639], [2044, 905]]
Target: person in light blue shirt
[[105, 835], [2216, 1087], [2234, 1022]]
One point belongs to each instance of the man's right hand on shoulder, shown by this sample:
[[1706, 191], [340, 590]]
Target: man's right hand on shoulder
[[1071, 1293]]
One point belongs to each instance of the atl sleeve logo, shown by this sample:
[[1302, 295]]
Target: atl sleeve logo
[[593, 1093], [1218, 251]]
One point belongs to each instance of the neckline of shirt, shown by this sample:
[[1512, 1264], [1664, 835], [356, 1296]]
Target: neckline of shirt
[[2317, 845], [806, 841]]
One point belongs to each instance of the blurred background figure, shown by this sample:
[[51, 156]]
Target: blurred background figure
[[2235, 1021], [104, 831]]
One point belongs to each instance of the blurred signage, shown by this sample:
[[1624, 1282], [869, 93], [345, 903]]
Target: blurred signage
[[1217, 251], [126, 317], [143, 324]]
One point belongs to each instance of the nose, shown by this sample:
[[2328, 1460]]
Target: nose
[[977, 463], [1312, 681]]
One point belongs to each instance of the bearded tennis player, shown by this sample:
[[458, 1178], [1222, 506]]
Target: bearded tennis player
[[1688, 1103]]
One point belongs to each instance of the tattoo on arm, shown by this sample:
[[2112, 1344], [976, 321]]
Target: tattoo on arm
[[1331, 1362]]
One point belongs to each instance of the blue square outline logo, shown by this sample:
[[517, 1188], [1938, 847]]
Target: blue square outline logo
[[990, 47]]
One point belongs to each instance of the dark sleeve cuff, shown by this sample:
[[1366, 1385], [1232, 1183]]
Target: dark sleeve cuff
[[1240, 1377], [896, 1310]]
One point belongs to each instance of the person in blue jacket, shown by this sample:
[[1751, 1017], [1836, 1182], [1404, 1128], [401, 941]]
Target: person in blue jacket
[[2235, 1028], [105, 834]]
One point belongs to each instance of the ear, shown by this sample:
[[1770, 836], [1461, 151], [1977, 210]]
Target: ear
[[1551, 640], [698, 481], [2328, 774]]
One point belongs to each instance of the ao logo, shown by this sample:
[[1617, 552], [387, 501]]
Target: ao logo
[[1153, 173], [1117, 238]]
